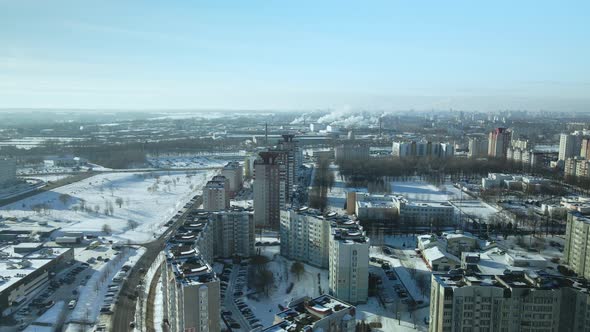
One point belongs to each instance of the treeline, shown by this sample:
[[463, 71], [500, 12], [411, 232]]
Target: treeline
[[322, 182], [360, 172]]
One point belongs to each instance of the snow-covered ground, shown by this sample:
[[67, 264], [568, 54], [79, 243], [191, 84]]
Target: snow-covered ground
[[372, 311], [140, 203], [473, 207], [91, 296], [48, 178], [423, 191], [185, 162], [307, 285]]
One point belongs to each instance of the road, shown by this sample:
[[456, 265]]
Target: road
[[125, 310]]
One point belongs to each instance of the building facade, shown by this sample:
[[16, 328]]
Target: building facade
[[516, 301], [498, 142], [569, 146], [269, 189], [234, 233], [7, 170], [478, 147], [233, 172], [215, 195], [577, 244], [349, 262], [305, 236]]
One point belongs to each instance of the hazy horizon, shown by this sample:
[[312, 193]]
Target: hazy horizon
[[382, 55]]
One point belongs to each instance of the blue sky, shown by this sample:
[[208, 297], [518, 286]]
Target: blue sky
[[394, 55]]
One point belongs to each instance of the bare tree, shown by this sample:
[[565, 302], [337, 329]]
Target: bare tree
[[64, 198], [132, 224], [107, 229], [119, 202]]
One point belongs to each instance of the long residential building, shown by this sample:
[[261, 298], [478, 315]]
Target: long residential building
[[305, 236], [422, 149], [331, 241], [351, 151], [515, 301]]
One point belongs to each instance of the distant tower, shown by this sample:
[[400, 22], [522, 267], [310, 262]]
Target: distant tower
[[266, 133]]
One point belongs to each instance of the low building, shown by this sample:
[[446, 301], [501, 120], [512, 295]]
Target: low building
[[496, 261], [515, 301], [24, 274], [438, 259], [324, 313], [375, 207]]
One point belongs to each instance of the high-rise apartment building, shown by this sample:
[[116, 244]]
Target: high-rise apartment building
[[351, 151], [422, 149], [7, 170], [478, 147], [569, 146], [348, 262], [215, 195], [191, 292], [515, 301], [577, 244], [233, 172], [585, 150], [498, 142], [269, 189], [305, 236], [234, 233], [293, 159]]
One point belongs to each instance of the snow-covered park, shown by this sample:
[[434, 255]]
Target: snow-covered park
[[128, 206]]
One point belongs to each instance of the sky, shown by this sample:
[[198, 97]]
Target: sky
[[292, 55]]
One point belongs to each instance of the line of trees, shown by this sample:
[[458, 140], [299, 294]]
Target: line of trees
[[322, 182]]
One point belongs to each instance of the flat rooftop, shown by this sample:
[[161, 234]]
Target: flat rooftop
[[15, 266], [304, 313]]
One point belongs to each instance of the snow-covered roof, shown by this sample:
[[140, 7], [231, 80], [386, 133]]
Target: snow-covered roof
[[436, 253]]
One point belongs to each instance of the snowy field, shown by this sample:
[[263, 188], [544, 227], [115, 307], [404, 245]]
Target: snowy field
[[133, 205], [185, 162], [48, 178], [474, 207], [423, 191]]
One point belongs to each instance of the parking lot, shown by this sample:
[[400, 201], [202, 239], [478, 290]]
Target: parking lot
[[237, 315]]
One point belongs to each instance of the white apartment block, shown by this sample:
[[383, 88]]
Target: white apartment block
[[478, 147], [215, 196], [577, 244], [233, 171], [422, 149], [191, 292], [516, 301], [7, 170], [349, 262], [569, 146], [305, 236]]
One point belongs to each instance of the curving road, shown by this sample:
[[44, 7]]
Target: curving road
[[125, 309]]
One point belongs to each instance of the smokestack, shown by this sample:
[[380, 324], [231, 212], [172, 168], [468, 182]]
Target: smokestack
[[266, 133]]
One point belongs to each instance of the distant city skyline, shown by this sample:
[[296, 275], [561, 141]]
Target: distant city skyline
[[304, 55]]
